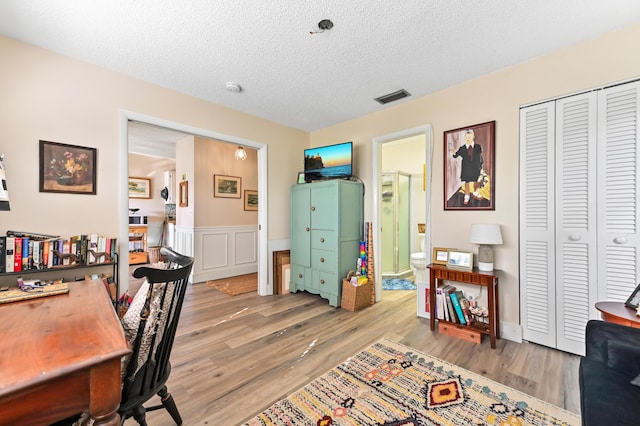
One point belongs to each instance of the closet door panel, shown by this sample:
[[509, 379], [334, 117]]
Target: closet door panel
[[537, 224], [575, 201], [619, 186]]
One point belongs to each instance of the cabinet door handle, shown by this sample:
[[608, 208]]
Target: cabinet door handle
[[321, 281], [299, 275], [322, 260], [620, 240], [574, 237], [313, 209], [322, 240], [306, 229]]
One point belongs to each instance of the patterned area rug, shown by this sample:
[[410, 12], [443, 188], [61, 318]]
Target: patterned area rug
[[397, 284], [391, 384], [236, 285]]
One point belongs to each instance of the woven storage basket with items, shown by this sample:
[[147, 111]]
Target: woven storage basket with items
[[355, 297]]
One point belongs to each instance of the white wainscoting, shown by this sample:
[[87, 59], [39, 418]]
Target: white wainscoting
[[219, 252]]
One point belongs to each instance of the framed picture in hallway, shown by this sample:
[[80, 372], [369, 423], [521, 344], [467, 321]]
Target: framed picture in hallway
[[250, 200], [469, 167], [226, 186]]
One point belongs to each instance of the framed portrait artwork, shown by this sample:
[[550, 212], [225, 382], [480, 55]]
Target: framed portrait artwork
[[139, 187], [469, 167], [67, 168], [226, 186], [250, 200]]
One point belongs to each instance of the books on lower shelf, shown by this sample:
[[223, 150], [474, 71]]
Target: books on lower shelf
[[452, 306], [24, 251]]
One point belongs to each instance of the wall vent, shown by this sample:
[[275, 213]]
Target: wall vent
[[391, 97]]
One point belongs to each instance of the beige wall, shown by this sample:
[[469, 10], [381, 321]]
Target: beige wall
[[216, 158], [52, 97], [152, 168], [498, 97]]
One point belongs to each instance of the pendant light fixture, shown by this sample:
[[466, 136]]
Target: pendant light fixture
[[240, 153]]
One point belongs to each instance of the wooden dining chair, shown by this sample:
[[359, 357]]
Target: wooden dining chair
[[150, 325]]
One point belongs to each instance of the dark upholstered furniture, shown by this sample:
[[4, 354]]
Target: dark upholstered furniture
[[612, 361]]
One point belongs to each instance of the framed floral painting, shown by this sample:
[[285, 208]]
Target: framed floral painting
[[67, 168]]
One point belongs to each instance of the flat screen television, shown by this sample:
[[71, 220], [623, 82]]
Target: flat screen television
[[328, 162]]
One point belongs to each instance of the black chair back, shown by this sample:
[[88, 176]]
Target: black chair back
[[148, 368]]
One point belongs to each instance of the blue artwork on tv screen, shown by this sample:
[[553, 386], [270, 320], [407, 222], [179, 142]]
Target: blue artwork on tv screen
[[328, 162]]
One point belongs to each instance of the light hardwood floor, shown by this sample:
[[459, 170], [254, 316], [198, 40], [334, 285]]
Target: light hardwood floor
[[234, 356]]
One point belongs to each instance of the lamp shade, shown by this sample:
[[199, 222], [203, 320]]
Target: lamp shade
[[485, 233]]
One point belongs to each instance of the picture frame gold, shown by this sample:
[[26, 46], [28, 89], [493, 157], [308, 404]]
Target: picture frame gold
[[460, 259], [183, 196], [440, 256], [250, 200], [139, 187], [226, 186]]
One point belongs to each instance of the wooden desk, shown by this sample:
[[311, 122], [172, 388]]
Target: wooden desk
[[60, 355], [617, 312], [438, 273]]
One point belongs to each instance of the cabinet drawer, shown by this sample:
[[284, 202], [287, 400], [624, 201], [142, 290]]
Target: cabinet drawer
[[326, 282], [323, 260], [323, 240], [298, 277], [137, 258]]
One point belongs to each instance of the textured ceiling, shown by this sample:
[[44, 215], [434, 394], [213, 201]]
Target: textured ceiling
[[309, 81]]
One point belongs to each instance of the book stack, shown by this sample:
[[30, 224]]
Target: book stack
[[23, 251], [452, 306]]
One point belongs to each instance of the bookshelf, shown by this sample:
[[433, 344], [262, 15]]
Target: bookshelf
[[138, 248], [53, 258], [439, 273], [62, 269]]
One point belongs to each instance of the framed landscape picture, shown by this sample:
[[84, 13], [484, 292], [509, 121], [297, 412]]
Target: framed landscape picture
[[469, 167], [250, 200], [226, 186], [67, 168], [139, 187]]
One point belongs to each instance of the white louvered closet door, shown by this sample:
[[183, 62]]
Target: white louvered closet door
[[576, 225], [579, 212], [618, 189], [537, 224]]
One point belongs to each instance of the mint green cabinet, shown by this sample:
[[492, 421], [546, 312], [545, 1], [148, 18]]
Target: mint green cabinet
[[326, 230]]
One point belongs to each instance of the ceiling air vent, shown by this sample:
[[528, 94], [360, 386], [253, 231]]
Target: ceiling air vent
[[391, 97]]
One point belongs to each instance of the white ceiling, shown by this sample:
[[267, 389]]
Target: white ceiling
[[309, 81]]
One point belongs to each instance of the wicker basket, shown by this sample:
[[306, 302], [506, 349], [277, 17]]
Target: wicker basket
[[155, 256], [355, 297]]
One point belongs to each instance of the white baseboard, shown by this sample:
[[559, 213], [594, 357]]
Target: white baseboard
[[512, 332]]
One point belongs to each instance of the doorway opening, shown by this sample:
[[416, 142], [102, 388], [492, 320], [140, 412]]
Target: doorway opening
[[401, 217], [261, 149]]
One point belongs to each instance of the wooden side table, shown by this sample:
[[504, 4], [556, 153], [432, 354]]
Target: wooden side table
[[618, 313], [440, 273]]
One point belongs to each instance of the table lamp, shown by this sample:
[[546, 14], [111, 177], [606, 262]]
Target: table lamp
[[486, 235]]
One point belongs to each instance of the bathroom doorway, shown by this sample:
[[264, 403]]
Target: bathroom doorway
[[406, 153]]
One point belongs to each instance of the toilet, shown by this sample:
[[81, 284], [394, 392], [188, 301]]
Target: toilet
[[419, 263]]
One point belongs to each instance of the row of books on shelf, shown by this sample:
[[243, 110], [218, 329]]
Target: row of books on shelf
[[21, 251], [452, 306]]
